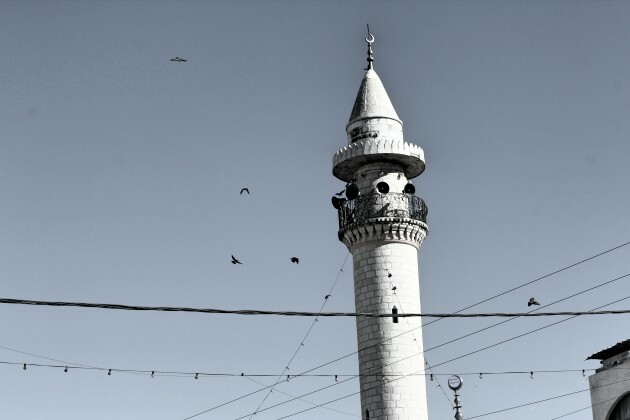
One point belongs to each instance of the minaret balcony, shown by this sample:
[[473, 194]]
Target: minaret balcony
[[372, 207]]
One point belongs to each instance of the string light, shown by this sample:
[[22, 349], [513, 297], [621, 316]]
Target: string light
[[459, 311], [336, 376], [109, 372], [431, 377], [196, 376], [531, 374], [470, 418]]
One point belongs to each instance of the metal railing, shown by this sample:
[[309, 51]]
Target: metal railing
[[371, 206]]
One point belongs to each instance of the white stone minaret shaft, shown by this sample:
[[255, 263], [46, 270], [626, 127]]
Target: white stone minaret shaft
[[383, 225]]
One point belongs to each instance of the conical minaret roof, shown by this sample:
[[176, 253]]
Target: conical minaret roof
[[375, 133], [372, 100]]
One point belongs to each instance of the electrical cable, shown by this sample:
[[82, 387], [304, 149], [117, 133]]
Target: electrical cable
[[545, 276], [420, 371], [496, 344], [478, 303], [271, 386], [469, 418], [533, 310], [585, 408], [468, 307], [306, 401], [545, 400], [306, 313], [308, 332], [46, 358], [456, 314], [524, 334], [426, 362]]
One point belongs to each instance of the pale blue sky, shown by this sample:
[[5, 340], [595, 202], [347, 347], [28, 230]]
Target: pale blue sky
[[120, 173]]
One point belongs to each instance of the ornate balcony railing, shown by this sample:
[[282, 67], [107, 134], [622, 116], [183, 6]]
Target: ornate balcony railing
[[371, 206]]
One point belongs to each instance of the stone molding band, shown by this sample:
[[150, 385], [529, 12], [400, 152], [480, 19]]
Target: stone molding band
[[385, 229], [349, 159]]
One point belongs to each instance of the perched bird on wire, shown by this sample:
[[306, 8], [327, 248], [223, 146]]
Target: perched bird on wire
[[235, 261], [245, 190], [179, 60], [295, 260], [532, 301], [326, 297]]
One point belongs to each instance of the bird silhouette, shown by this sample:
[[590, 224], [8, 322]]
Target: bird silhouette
[[245, 189], [327, 296], [179, 60], [389, 275], [394, 288], [295, 260], [235, 261], [340, 193], [532, 301]]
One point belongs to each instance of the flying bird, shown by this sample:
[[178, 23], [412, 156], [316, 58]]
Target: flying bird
[[235, 261], [340, 193], [394, 288], [295, 260], [179, 60], [532, 301], [245, 189]]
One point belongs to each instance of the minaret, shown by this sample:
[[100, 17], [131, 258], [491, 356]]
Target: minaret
[[383, 225]]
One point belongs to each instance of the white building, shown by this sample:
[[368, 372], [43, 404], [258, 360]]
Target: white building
[[610, 385], [383, 225]]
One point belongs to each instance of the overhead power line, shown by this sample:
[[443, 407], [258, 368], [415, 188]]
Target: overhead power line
[[533, 310], [470, 418], [303, 340], [435, 320], [545, 276], [411, 373], [585, 408], [304, 313], [547, 399], [308, 402]]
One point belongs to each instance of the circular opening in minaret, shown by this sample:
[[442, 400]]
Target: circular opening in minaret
[[352, 191], [409, 189], [382, 187]]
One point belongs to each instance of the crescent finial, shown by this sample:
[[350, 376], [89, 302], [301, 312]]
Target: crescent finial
[[369, 40]]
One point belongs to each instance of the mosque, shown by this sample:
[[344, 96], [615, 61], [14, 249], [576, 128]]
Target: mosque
[[610, 386]]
